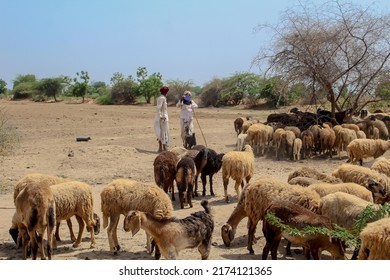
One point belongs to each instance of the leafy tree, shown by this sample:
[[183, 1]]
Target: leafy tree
[[3, 85], [50, 87], [177, 88], [24, 86], [20, 79], [148, 85], [125, 91], [210, 92], [340, 49], [116, 78], [240, 86], [80, 88]]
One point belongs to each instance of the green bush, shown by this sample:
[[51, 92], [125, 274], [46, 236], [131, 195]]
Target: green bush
[[105, 99]]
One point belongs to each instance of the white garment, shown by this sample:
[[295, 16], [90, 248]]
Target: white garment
[[161, 125], [186, 114]]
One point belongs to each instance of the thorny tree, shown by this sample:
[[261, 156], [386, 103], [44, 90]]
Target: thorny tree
[[340, 49]]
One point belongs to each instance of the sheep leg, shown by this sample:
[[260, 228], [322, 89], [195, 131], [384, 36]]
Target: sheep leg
[[204, 181], [72, 236], [181, 198], [195, 193], [238, 188], [189, 196], [25, 241], [204, 249], [33, 244], [91, 229], [111, 233], [225, 185], [80, 234], [251, 235], [172, 190]]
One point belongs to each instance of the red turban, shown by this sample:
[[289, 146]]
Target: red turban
[[164, 89]]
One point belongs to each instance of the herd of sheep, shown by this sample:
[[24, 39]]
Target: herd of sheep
[[308, 198]]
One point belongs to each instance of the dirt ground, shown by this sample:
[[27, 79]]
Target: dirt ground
[[123, 145]]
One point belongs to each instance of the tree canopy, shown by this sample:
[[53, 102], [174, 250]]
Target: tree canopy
[[340, 49]]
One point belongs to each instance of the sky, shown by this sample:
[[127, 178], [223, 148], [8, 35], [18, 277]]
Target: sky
[[186, 40]]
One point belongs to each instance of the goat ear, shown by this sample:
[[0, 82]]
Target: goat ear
[[136, 225]]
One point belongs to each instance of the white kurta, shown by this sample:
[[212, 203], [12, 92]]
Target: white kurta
[[161, 125], [186, 113]]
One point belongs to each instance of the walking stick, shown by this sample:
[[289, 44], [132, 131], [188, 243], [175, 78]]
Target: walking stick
[[199, 127]]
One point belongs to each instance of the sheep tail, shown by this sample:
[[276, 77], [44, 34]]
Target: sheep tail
[[205, 205]]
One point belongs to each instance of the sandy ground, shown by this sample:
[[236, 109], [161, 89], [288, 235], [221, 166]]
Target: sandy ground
[[123, 145]]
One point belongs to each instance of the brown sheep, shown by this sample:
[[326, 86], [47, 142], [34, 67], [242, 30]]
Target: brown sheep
[[296, 216], [165, 171], [185, 179]]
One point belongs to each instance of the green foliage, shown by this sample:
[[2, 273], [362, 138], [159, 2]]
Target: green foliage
[[24, 86], [210, 92], [177, 88], [98, 88], [148, 85], [240, 86], [124, 92], [370, 214], [105, 99], [3, 85], [80, 88], [50, 87]]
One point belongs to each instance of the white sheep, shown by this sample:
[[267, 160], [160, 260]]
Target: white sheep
[[238, 165], [173, 235], [35, 214], [121, 196], [241, 141], [75, 199], [359, 149], [382, 165], [362, 176], [255, 199], [375, 241], [297, 146]]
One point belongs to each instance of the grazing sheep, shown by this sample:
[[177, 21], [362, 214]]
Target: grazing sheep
[[241, 141], [359, 149], [185, 179], [165, 171], [38, 179], [35, 209], [297, 146], [303, 181], [344, 209], [238, 165], [327, 140], [314, 174], [362, 176], [121, 196], [344, 137], [361, 135], [298, 217], [366, 193], [75, 199], [382, 165], [255, 199], [173, 235], [375, 241], [307, 143]]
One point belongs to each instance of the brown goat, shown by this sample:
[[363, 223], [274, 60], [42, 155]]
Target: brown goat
[[299, 217]]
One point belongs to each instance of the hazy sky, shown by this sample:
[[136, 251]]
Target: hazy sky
[[195, 40]]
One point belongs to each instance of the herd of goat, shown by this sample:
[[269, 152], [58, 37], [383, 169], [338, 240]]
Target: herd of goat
[[309, 198]]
